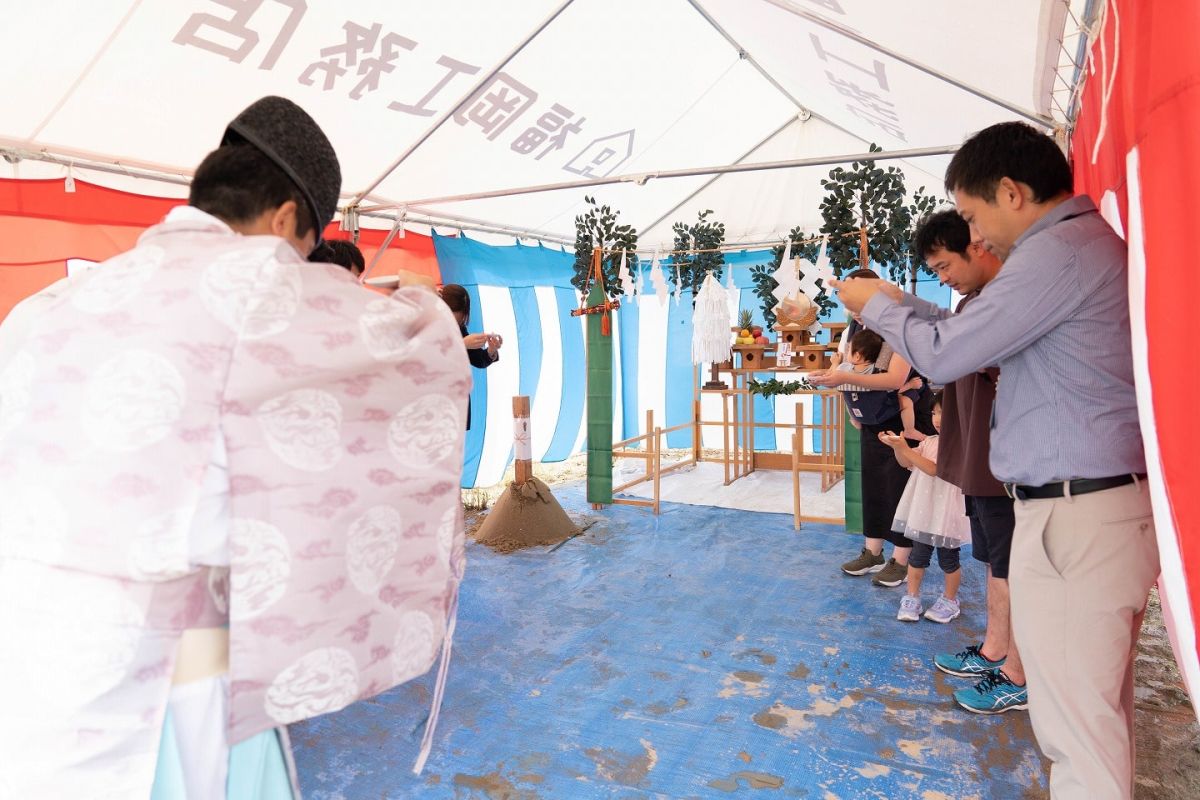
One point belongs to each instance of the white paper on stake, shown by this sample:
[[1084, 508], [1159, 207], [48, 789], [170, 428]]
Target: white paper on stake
[[522, 442]]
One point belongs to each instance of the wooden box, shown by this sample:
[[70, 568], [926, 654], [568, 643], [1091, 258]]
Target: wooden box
[[751, 356]]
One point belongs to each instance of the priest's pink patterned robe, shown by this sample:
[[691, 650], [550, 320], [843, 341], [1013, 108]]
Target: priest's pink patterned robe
[[342, 412]]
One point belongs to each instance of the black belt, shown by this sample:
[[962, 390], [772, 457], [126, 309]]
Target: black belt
[[1077, 486]]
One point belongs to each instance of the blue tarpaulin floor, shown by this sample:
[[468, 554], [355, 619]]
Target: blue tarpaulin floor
[[703, 653]]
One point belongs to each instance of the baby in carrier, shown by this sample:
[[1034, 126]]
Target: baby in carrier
[[865, 347]]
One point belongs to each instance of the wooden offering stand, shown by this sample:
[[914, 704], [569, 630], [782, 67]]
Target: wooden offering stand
[[806, 355]]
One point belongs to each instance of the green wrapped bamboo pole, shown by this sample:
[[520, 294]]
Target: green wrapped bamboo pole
[[599, 401], [854, 510]]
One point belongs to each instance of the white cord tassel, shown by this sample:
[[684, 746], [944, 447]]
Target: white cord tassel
[[710, 325]]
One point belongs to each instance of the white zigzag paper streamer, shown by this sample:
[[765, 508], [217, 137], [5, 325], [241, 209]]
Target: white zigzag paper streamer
[[627, 287], [659, 281], [785, 275]]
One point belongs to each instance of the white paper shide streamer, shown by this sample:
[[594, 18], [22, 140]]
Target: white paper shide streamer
[[785, 275], [823, 272], [627, 287], [710, 325], [823, 269], [659, 281]]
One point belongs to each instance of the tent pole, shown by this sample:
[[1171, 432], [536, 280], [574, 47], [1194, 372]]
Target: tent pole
[[745, 54], [481, 227], [815, 19], [428, 216], [466, 98], [529, 233], [116, 168], [641, 178], [642, 231]]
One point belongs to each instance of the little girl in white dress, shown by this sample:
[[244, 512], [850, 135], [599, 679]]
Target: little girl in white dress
[[931, 513]]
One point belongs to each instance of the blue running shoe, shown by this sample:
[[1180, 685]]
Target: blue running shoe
[[968, 663], [995, 694]]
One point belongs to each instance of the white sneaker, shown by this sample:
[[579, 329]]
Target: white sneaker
[[943, 610], [910, 609]]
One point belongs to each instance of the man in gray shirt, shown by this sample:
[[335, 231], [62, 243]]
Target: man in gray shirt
[[1065, 440]]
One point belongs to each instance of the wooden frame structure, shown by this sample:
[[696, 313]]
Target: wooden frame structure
[[738, 455], [652, 454]]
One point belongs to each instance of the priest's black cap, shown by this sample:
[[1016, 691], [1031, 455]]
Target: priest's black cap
[[286, 134]]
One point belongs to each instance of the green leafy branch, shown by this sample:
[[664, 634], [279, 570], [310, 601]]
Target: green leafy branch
[[774, 387], [598, 227], [704, 234]]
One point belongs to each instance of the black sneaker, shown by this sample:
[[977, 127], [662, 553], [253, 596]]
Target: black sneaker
[[892, 574], [864, 564]]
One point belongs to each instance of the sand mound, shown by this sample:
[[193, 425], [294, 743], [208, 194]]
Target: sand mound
[[525, 516]]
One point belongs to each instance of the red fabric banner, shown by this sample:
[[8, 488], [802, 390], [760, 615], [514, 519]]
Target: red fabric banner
[[1141, 110], [44, 225]]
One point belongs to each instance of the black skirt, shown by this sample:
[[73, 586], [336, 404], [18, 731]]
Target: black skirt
[[883, 482]]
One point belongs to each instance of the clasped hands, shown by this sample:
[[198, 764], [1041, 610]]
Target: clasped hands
[[855, 293], [478, 341]]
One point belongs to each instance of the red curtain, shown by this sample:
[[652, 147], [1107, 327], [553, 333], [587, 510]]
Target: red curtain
[[42, 225], [1136, 152]]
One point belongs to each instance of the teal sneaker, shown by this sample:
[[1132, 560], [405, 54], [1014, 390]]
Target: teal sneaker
[[968, 663], [995, 694]]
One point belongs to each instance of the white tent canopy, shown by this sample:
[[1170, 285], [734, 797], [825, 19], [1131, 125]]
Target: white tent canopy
[[473, 96]]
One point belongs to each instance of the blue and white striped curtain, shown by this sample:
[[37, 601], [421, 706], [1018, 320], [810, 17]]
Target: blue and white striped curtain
[[524, 293]]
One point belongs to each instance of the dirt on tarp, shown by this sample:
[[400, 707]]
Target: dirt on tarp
[[524, 516]]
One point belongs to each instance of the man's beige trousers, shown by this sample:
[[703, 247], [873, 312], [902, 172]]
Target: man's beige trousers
[[1081, 570]]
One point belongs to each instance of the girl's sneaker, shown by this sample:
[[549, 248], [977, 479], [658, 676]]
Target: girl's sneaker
[[910, 609], [943, 610]]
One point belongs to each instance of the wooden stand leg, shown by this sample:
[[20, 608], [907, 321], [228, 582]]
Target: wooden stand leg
[[725, 433], [749, 435], [649, 443], [796, 445], [657, 467]]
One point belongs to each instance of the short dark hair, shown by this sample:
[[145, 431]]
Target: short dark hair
[[863, 272], [944, 229], [237, 183], [867, 344], [1009, 150], [345, 253], [937, 399], [457, 299]]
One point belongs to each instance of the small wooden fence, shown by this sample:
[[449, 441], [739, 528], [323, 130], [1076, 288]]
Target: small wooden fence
[[738, 455]]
